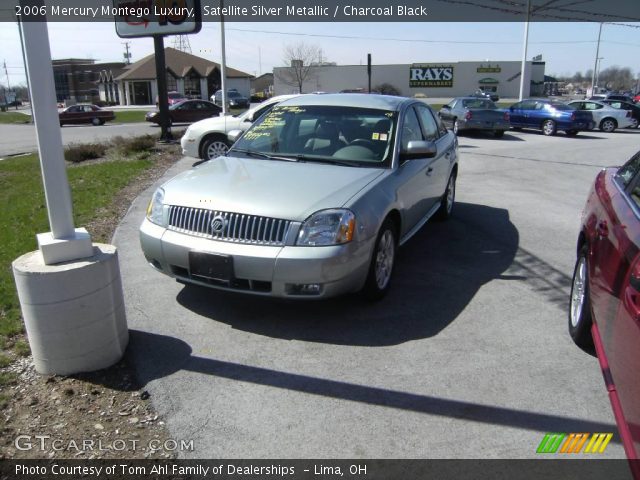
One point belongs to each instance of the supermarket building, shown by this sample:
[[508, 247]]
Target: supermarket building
[[432, 79]]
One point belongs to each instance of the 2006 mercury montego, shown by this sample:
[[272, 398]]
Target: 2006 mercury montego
[[312, 201]]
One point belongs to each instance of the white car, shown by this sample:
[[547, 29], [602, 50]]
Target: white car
[[606, 118], [207, 138]]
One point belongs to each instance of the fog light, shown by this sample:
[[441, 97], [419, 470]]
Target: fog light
[[305, 289]]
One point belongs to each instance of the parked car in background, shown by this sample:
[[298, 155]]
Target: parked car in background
[[311, 202], [493, 96], [207, 139], [76, 114], [173, 98], [187, 111], [234, 99], [606, 118], [549, 116], [474, 113], [631, 107], [605, 296]]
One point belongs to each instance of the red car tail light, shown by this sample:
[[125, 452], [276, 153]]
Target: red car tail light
[[468, 116], [634, 276]]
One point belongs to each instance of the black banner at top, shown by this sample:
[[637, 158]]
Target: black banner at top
[[331, 10]]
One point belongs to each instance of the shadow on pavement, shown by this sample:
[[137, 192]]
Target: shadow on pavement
[[437, 273], [159, 356]]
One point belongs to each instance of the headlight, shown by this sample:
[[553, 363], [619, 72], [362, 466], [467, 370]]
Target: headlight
[[155, 208], [328, 227]]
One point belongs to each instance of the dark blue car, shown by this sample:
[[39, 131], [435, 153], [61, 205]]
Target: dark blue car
[[549, 116]]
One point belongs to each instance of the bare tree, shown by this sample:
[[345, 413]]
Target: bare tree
[[300, 58]]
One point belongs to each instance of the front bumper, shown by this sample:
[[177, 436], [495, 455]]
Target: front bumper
[[277, 271], [189, 146]]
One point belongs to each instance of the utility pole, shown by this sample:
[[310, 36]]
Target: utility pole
[[223, 63], [594, 77], [127, 55], [6, 73]]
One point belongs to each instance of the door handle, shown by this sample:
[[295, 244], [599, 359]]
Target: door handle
[[429, 171], [602, 229]]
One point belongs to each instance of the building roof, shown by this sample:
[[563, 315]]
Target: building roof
[[180, 63]]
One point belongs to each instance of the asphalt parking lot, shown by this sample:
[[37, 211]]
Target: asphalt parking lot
[[467, 357]]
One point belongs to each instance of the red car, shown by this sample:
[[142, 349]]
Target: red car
[[85, 114], [604, 311]]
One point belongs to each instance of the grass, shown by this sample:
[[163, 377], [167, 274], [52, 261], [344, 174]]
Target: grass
[[14, 117], [93, 187], [130, 116]]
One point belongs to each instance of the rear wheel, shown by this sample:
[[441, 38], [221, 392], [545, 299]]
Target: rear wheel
[[580, 320], [382, 262], [549, 127], [634, 123], [95, 121], [498, 133], [448, 199], [608, 125]]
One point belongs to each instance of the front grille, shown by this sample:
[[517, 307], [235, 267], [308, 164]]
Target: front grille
[[227, 226]]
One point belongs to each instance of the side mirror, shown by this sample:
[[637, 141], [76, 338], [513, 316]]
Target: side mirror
[[234, 135], [419, 149]]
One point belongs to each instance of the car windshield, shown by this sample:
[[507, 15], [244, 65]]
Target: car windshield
[[329, 134], [233, 95], [479, 103]]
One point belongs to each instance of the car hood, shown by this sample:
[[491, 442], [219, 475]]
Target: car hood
[[270, 188]]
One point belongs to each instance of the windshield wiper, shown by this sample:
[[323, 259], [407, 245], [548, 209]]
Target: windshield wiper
[[253, 153], [330, 161]]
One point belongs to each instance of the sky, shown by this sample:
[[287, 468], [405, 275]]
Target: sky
[[256, 48]]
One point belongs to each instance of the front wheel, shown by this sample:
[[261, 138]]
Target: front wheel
[[634, 123], [214, 148], [580, 320], [456, 127], [95, 121], [549, 127], [382, 262]]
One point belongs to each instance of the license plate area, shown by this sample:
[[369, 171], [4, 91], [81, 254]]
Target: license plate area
[[211, 266]]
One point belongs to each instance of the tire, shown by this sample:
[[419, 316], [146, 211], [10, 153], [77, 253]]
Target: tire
[[448, 199], [634, 123], [213, 147], [498, 133], [549, 128], [608, 125], [571, 133], [580, 320], [382, 262], [95, 121], [456, 127]]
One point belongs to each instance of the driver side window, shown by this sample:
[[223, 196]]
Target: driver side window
[[410, 128]]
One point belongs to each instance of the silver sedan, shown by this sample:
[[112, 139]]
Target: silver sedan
[[312, 201]]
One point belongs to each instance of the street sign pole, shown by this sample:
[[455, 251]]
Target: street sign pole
[[161, 75], [223, 63], [64, 242]]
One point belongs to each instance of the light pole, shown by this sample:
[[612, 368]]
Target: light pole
[[594, 77], [597, 72], [524, 51]]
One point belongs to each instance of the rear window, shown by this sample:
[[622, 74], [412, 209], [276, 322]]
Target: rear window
[[562, 106], [479, 103], [175, 95]]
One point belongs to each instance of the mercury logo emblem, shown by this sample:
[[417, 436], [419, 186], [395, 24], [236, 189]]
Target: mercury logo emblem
[[217, 224]]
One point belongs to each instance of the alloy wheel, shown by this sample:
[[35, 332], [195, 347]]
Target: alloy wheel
[[384, 259]]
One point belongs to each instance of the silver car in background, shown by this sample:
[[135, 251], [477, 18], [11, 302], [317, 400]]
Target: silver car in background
[[606, 117], [310, 202]]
